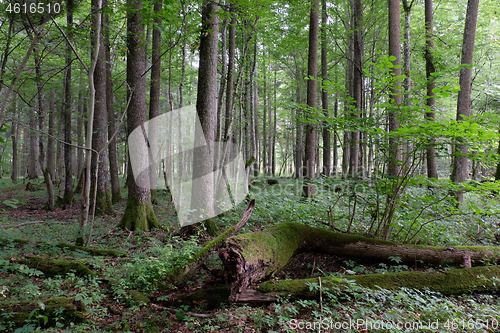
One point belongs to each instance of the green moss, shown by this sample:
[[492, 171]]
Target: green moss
[[74, 311], [139, 216], [138, 297], [53, 267], [451, 282]]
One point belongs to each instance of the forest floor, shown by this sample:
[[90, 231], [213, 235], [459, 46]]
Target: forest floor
[[126, 293]]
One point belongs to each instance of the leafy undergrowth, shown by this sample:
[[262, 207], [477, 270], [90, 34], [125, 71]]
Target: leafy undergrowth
[[127, 293]]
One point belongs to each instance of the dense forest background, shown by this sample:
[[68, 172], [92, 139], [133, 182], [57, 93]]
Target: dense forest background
[[364, 116]]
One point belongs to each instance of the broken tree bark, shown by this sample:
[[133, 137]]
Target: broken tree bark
[[181, 275], [253, 257], [481, 279]]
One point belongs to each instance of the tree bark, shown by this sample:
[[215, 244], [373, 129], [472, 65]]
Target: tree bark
[[356, 85], [139, 214], [430, 115], [112, 149], [250, 258], [67, 107], [206, 108], [394, 161], [459, 173], [154, 97], [99, 163], [312, 84], [451, 282], [327, 161]]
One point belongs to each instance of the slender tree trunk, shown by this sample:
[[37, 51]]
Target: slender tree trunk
[[407, 74], [395, 94], [459, 173], [327, 161], [154, 97], [112, 149], [15, 140], [51, 144], [430, 115], [312, 93], [264, 154], [99, 164], [67, 107], [80, 126], [139, 214], [357, 85], [273, 145]]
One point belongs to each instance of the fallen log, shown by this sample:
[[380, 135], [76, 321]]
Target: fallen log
[[481, 279], [252, 257], [45, 313], [89, 250], [182, 274], [53, 267]]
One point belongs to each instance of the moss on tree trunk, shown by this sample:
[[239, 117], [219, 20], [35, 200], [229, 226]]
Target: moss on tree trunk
[[53, 267], [74, 311], [139, 216], [481, 279], [253, 257]]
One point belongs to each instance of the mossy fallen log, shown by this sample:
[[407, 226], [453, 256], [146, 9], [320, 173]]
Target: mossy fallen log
[[89, 250], [480, 279], [52, 267], [182, 274], [43, 313], [252, 257]]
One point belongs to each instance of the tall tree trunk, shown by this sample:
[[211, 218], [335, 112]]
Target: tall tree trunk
[[15, 140], [99, 162], [206, 107], [139, 214], [51, 144], [273, 137], [67, 107], [459, 173], [112, 149], [407, 74], [80, 125], [264, 154], [357, 85], [312, 93], [395, 90], [327, 161], [430, 115], [154, 97]]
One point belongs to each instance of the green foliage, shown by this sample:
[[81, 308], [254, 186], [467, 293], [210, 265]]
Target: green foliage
[[148, 269]]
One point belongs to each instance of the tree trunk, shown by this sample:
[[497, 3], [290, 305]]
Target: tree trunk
[[139, 214], [356, 85], [250, 258], [67, 107], [327, 161], [312, 83], [451, 282], [51, 144], [99, 164], [112, 150], [394, 161], [430, 115], [459, 174], [203, 194], [154, 98], [15, 152]]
